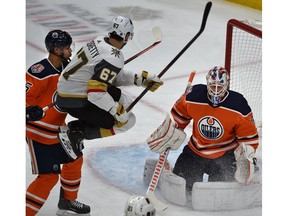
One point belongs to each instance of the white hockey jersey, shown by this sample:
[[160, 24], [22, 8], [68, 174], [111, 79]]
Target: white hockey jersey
[[96, 66]]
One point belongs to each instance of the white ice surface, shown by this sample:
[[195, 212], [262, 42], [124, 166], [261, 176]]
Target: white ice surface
[[112, 169]]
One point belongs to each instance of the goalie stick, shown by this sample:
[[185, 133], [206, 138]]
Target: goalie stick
[[150, 194], [157, 40], [203, 24], [163, 157]]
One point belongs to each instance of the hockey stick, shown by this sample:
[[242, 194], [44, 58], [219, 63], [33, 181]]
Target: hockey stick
[[150, 194], [48, 106], [203, 24], [189, 84], [158, 38]]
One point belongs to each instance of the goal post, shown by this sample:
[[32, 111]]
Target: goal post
[[243, 61]]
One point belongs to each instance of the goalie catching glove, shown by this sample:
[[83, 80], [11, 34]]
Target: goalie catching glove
[[246, 164], [166, 136], [145, 78]]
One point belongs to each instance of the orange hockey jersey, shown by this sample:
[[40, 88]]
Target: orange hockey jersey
[[41, 86], [215, 130]]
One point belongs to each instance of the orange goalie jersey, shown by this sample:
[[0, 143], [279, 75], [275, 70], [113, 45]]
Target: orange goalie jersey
[[215, 130], [41, 85]]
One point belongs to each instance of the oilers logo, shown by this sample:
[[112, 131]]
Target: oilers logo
[[210, 128]]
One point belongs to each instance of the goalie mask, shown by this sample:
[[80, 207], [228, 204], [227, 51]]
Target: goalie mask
[[121, 26], [139, 206], [217, 85], [57, 38]]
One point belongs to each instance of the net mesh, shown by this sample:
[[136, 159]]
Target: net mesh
[[246, 66]]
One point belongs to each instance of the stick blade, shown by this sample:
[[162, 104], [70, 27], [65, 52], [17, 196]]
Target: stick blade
[[160, 206], [157, 34]]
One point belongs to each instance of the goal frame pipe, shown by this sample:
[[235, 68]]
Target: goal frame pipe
[[229, 35]]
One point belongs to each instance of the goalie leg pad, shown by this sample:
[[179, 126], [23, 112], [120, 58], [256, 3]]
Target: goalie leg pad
[[225, 196], [173, 188], [149, 168]]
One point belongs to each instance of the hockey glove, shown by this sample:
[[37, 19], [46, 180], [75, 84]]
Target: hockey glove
[[145, 78], [34, 113], [246, 164], [119, 113]]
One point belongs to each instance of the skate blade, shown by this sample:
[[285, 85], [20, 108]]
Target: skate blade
[[70, 213]]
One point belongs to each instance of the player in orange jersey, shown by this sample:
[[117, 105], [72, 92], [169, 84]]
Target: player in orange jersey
[[223, 129], [46, 152]]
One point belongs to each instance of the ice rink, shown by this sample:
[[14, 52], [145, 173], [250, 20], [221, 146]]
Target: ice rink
[[112, 169]]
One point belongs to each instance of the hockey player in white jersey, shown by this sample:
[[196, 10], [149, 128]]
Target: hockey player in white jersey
[[87, 88]]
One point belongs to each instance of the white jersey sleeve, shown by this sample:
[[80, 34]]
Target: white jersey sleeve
[[101, 99], [125, 78], [92, 70]]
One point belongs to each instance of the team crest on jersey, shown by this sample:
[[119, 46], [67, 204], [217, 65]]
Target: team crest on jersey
[[115, 52], [210, 128], [37, 68]]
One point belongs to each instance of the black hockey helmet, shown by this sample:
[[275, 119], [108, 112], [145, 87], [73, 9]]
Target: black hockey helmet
[[57, 38]]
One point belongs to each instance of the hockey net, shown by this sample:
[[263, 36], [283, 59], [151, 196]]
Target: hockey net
[[243, 60]]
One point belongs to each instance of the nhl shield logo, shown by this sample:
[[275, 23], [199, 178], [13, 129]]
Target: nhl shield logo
[[210, 128]]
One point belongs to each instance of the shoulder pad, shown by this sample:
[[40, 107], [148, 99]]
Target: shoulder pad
[[42, 69], [237, 102], [197, 93]]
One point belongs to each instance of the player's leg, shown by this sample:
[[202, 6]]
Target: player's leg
[[70, 183], [223, 168], [38, 192], [189, 166], [93, 123], [47, 169]]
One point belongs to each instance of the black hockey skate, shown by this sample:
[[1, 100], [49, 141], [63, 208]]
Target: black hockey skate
[[71, 207], [71, 141]]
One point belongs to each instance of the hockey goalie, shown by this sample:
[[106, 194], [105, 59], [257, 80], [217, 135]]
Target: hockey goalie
[[222, 146]]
